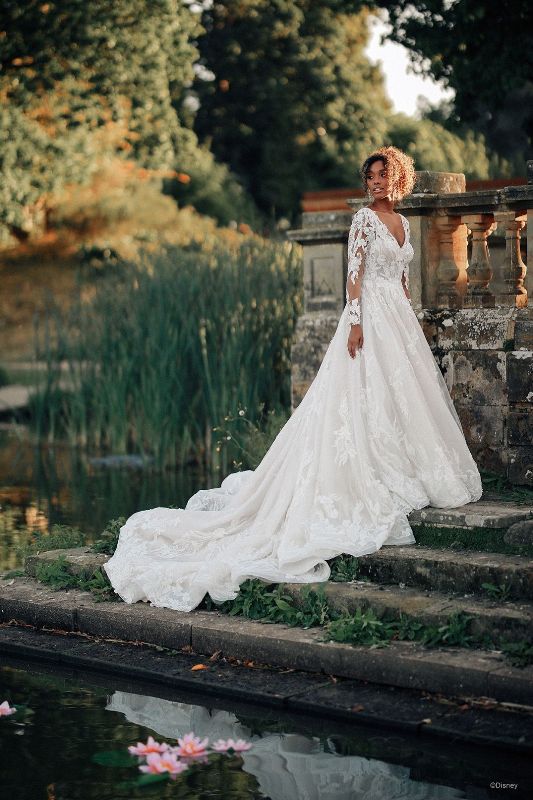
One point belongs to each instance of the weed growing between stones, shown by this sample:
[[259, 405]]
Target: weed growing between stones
[[57, 575], [344, 569], [310, 608], [495, 592], [107, 543], [498, 485]]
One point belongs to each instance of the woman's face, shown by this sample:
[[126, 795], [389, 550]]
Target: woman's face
[[376, 180]]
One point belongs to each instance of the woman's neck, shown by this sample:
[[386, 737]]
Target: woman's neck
[[383, 205]]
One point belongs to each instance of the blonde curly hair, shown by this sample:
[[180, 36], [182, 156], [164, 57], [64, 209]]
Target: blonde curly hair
[[400, 170]]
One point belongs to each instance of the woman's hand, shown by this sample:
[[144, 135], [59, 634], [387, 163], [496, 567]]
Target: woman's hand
[[355, 340]]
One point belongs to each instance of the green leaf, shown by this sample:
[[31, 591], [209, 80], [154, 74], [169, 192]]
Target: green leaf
[[114, 758]]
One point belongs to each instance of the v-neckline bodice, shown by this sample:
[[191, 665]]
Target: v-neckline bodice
[[401, 246]]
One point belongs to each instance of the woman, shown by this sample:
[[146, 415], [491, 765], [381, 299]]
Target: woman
[[375, 437]]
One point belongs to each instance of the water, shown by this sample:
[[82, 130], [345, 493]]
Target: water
[[41, 486], [46, 750]]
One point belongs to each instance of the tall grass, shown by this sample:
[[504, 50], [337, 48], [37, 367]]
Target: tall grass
[[166, 348]]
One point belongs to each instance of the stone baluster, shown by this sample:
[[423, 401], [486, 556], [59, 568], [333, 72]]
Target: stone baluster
[[479, 294], [528, 277], [452, 260], [511, 290]]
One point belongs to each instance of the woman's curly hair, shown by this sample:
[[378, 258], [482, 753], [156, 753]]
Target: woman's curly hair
[[400, 170]]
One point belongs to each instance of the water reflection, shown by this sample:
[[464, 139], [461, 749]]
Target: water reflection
[[287, 766], [41, 486]]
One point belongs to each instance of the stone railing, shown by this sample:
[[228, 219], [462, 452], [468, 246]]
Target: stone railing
[[469, 285]]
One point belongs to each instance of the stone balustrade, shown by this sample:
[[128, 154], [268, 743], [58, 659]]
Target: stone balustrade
[[469, 285]]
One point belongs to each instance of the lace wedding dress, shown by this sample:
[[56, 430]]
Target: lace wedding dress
[[374, 437]]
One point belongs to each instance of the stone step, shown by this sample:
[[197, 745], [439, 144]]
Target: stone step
[[506, 620], [482, 514], [493, 618], [80, 560], [452, 671], [450, 571]]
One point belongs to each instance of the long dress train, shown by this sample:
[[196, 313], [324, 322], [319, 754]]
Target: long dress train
[[374, 437]]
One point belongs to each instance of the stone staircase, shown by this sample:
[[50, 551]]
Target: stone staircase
[[423, 583]]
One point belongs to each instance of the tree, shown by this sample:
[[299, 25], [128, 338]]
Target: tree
[[484, 51], [293, 102], [435, 148], [82, 80]]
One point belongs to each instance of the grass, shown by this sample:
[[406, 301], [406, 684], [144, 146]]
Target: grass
[[58, 575], [60, 537], [498, 486], [166, 349]]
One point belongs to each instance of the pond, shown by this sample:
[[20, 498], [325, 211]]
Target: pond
[[41, 486], [57, 747]]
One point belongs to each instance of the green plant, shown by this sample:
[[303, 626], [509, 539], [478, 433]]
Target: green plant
[[108, 540], [498, 484], [146, 375], [453, 633], [344, 569], [249, 439], [362, 627], [496, 592], [60, 537], [58, 575], [520, 654]]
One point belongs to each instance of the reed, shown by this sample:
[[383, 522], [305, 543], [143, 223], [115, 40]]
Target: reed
[[167, 347]]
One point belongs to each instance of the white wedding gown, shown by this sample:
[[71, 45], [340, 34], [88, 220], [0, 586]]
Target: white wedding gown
[[374, 437]]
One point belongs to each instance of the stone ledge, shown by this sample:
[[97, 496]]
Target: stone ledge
[[448, 570], [483, 514], [402, 664], [357, 703]]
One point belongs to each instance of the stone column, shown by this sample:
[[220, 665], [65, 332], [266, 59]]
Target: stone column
[[479, 294], [528, 279], [420, 207], [510, 289], [452, 260]]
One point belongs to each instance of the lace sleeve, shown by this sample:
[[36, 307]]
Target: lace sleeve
[[405, 273], [358, 240]]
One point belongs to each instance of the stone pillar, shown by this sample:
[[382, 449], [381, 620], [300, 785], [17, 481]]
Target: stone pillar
[[514, 267], [425, 234], [452, 240], [528, 279], [479, 269]]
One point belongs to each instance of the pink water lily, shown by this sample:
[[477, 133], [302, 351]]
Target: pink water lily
[[238, 746], [191, 746], [6, 710], [151, 746], [157, 763]]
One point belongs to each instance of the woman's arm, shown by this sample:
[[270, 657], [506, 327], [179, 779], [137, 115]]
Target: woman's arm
[[358, 240]]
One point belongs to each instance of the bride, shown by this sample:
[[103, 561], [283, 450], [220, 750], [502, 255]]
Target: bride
[[375, 436]]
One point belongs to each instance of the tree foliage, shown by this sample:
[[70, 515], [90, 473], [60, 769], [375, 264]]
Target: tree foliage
[[82, 80], [484, 51], [293, 102], [435, 148]]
